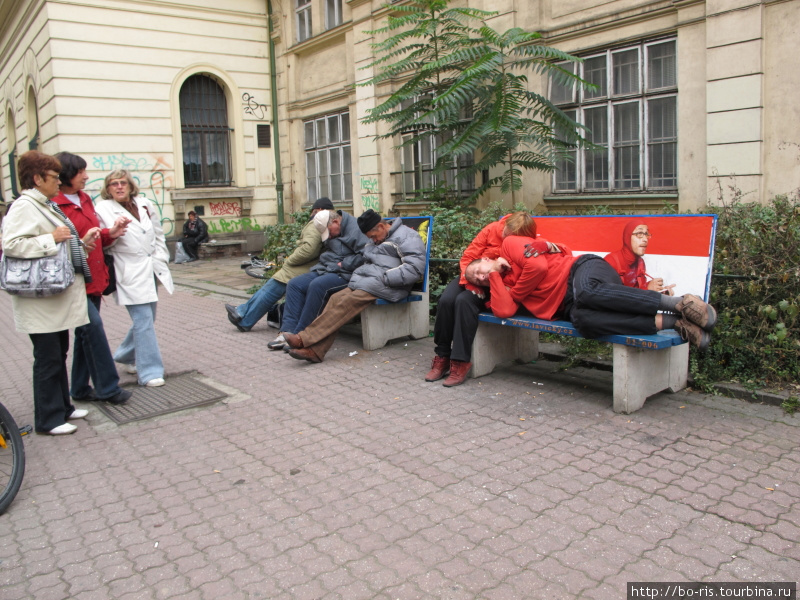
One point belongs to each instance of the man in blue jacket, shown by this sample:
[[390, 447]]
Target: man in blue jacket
[[305, 294], [394, 260]]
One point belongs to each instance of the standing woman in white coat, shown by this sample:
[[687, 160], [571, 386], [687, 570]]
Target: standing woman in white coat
[[140, 260]]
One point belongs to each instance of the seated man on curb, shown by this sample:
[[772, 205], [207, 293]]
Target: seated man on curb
[[306, 294], [394, 261], [297, 263], [587, 291]]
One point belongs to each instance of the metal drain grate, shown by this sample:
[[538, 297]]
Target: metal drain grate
[[178, 393]]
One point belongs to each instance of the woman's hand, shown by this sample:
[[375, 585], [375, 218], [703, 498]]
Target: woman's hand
[[61, 234], [119, 228], [90, 239]]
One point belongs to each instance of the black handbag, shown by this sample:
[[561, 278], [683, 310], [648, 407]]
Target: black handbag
[[112, 275]]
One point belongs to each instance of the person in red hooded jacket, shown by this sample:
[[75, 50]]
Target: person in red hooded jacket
[[91, 355], [457, 310], [628, 261]]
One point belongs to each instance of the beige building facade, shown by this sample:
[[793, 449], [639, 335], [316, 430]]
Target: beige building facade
[[695, 103], [176, 92]]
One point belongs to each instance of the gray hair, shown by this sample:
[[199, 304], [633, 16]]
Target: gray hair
[[119, 174]]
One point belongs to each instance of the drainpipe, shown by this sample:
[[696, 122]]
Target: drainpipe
[[276, 144]]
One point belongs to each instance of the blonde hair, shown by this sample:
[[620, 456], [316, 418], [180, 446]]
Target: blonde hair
[[119, 174], [520, 223]]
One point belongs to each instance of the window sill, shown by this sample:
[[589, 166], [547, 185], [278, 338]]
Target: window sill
[[181, 196], [649, 201]]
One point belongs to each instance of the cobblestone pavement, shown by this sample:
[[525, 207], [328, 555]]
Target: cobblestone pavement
[[356, 479]]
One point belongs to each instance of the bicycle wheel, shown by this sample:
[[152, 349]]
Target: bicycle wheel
[[12, 459], [257, 272]]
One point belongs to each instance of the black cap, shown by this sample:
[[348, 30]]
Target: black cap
[[368, 219], [323, 204]]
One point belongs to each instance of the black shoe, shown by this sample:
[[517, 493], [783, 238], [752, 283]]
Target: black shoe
[[120, 398], [233, 317], [90, 397]]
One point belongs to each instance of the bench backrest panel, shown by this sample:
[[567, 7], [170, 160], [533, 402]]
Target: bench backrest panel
[[681, 249], [415, 223]]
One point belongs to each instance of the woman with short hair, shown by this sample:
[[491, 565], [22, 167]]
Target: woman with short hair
[[140, 260], [33, 228]]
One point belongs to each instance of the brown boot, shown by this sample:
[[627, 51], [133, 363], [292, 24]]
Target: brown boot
[[293, 340], [439, 368], [458, 373], [305, 354], [693, 334], [692, 308]]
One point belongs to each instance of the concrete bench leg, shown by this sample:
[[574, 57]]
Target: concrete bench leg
[[640, 373], [495, 344], [383, 322]]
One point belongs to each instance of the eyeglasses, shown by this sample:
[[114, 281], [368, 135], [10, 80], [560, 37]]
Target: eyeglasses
[[642, 234], [50, 175], [118, 183]]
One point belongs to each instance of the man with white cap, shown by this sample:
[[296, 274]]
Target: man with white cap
[[299, 262], [306, 294]]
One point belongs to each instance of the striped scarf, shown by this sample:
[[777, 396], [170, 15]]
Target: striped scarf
[[75, 248]]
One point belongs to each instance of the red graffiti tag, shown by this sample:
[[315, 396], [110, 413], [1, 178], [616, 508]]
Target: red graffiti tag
[[219, 209]]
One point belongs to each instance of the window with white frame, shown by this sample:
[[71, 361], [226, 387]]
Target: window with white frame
[[303, 18], [417, 162], [329, 171], [333, 13], [630, 118]]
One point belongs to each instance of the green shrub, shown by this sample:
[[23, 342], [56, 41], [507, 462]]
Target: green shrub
[[756, 291], [280, 240]]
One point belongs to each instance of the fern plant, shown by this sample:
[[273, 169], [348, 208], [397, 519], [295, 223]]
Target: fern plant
[[450, 65]]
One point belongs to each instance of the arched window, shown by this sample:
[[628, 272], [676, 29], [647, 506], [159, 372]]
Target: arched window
[[205, 133], [33, 121], [11, 140]]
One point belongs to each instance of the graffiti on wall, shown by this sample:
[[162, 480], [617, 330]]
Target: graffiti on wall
[[253, 107], [220, 209], [369, 193], [233, 225], [152, 173]]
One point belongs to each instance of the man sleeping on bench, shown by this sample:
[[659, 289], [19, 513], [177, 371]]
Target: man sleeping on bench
[[587, 291]]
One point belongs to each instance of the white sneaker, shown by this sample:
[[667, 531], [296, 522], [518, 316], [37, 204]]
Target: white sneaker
[[128, 368], [64, 429], [78, 413], [157, 382]]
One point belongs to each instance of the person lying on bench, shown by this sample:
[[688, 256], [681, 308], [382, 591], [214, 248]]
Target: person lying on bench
[[587, 291], [394, 260], [628, 261]]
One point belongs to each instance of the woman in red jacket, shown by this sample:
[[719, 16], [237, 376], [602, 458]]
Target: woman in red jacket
[[91, 355], [457, 310], [628, 261]]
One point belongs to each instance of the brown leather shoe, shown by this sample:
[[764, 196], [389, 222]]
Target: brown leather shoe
[[292, 340], [458, 373], [439, 368], [693, 334], [692, 308], [305, 354]]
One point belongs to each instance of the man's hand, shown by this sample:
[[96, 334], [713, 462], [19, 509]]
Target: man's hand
[[501, 265]]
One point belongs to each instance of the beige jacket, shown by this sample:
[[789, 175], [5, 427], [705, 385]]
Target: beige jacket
[[303, 257], [27, 233]]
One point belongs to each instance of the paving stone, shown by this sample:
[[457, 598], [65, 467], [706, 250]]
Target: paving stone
[[355, 479]]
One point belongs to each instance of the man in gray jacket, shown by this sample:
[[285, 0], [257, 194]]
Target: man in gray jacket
[[393, 261], [306, 294]]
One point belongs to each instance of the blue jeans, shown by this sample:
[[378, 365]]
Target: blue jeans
[[140, 346], [305, 296], [263, 301], [91, 357]]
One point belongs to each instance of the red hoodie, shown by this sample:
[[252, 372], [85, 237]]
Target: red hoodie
[[487, 243], [628, 266], [84, 218], [538, 283]]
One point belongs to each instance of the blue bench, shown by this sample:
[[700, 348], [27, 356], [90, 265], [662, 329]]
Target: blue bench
[[384, 321], [643, 364]]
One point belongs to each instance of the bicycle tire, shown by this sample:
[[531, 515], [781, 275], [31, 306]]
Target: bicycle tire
[[257, 272], [12, 459]]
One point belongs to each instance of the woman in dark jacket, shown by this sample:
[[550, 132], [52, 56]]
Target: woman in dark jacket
[[91, 355]]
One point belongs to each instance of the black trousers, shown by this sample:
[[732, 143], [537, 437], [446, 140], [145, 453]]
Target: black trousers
[[52, 405], [599, 304], [190, 246], [456, 322]]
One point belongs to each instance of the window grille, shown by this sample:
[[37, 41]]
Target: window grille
[[329, 170]]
